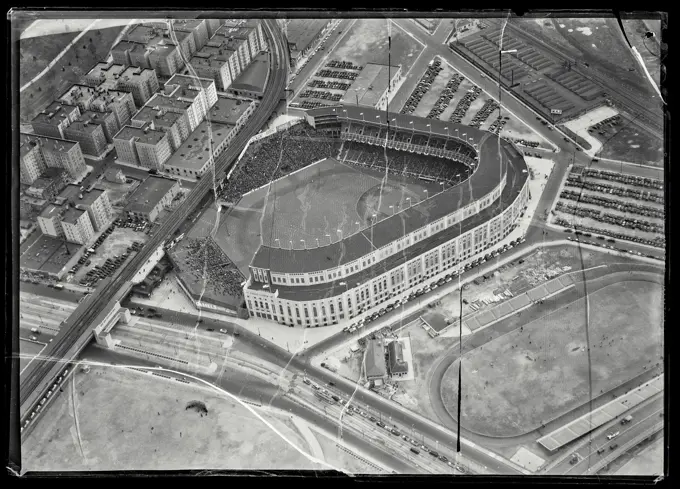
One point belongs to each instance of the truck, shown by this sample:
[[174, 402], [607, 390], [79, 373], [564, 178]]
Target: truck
[[328, 366], [59, 286], [627, 419]]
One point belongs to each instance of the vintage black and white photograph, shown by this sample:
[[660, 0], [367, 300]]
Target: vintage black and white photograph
[[366, 244]]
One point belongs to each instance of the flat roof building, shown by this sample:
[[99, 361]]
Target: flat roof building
[[375, 360], [54, 119], [174, 124], [229, 110], [194, 157], [302, 35], [150, 47], [37, 153], [89, 134], [140, 82], [142, 146], [187, 102], [77, 226], [395, 354], [206, 86], [152, 196], [252, 81], [95, 202], [85, 97], [370, 88]]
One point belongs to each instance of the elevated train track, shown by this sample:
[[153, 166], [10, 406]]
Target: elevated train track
[[77, 330]]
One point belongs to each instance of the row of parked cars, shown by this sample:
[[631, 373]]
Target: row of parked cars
[[428, 288], [583, 230], [352, 410], [85, 259], [619, 177], [343, 75], [335, 85], [334, 97], [624, 222], [464, 104], [345, 65], [445, 97], [423, 87], [577, 181], [483, 114], [138, 224], [618, 205]]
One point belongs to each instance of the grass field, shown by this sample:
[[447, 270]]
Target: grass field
[[541, 371], [112, 427], [82, 57], [629, 142], [307, 205], [367, 42], [36, 52]]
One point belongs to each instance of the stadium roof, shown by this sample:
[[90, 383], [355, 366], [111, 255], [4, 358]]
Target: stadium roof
[[370, 85], [483, 180], [149, 193]]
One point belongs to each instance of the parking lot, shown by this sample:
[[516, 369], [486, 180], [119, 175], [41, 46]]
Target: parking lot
[[110, 251]]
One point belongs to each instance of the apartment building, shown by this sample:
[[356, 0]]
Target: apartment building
[[49, 220], [205, 87], [89, 134], [54, 119], [140, 82], [186, 103], [151, 48], [107, 119], [196, 155], [77, 226], [52, 181], [99, 99], [252, 31], [174, 124], [142, 146], [216, 62], [37, 153], [95, 202], [198, 29]]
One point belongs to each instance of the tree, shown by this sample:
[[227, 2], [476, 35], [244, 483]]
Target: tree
[[40, 89]]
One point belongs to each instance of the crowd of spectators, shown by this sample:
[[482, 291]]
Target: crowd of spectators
[[579, 181], [325, 95], [658, 241], [204, 260], [403, 163], [633, 224], [446, 96], [343, 75], [622, 178], [275, 156], [345, 65], [483, 114], [632, 208], [423, 86], [464, 104]]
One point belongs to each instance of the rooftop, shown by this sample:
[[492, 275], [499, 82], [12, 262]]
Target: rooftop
[[254, 76], [29, 141], [375, 359], [160, 118], [107, 73], [141, 134], [197, 149], [88, 126], [227, 110], [301, 32], [48, 254], [73, 194], [149, 193], [370, 85], [55, 113], [235, 31], [160, 100], [395, 352], [186, 81], [51, 211], [72, 215]]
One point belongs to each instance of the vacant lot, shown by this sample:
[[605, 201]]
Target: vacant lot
[[36, 52], [628, 142], [366, 42], [541, 371], [90, 49], [104, 424]]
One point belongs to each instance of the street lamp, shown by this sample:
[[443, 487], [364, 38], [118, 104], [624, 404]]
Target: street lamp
[[303, 243], [330, 241], [392, 207], [500, 71], [409, 201]]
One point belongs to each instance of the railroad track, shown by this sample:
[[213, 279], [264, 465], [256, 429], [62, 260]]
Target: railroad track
[[37, 378], [609, 84]]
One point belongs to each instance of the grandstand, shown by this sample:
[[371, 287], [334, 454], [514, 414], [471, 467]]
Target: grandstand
[[417, 245]]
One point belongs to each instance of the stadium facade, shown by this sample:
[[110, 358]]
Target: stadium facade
[[407, 251]]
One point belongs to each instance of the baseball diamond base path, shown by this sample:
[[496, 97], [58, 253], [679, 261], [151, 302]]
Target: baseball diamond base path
[[534, 374]]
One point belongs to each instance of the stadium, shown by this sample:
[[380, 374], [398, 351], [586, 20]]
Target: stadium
[[480, 192], [347, 211]]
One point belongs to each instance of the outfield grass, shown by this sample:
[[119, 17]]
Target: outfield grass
[[517, 381]]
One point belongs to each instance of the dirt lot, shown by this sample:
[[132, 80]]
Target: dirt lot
[[511, 381], [366, 42], [112, 427], [628, 142]]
